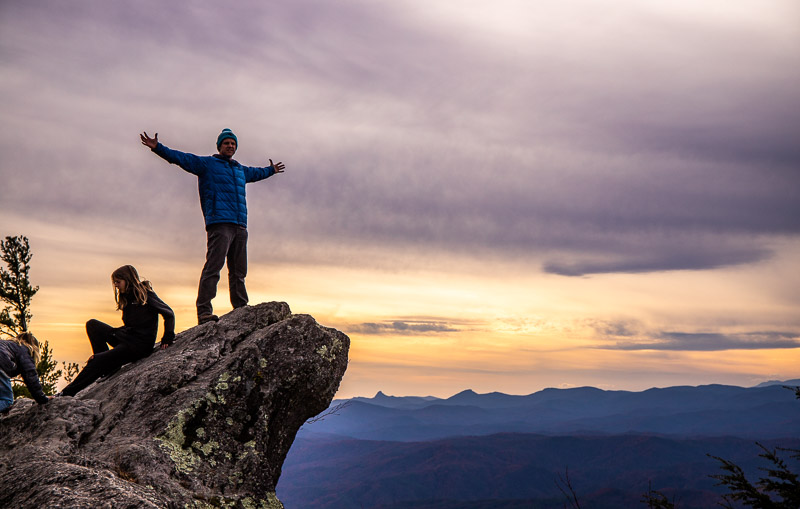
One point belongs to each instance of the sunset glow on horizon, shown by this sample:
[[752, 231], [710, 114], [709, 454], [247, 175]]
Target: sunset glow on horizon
[[505, 199]]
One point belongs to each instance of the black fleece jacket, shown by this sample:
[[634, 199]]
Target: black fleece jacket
[[141, 323]]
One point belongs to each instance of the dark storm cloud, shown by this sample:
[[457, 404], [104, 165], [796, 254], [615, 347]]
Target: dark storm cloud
[[710, 342], [400, 327], [403, 130], [672, 258], [633, 335]]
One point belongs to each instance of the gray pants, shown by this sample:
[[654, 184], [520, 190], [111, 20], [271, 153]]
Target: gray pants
[[226, 241]]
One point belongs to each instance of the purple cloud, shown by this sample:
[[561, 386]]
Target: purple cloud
[[401, 327], [711, 342], [406, 131]]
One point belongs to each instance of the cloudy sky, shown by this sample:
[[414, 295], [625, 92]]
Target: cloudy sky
[[502, 196]]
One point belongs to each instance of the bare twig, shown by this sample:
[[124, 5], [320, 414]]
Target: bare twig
[[565, 486], [331, 411]]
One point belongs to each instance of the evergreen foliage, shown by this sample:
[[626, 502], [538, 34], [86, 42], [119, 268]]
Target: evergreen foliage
[[49, 374], [780, 480], [15, 287], [17, 292], [657, 500]]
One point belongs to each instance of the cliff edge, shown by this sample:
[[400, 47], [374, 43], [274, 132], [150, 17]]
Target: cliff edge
[[205, 423]]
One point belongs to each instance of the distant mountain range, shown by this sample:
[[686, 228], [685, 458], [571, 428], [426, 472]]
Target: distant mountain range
[[765, 411], [500, 451]]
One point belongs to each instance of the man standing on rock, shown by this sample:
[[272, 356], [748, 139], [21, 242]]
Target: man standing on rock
[[221, 182]]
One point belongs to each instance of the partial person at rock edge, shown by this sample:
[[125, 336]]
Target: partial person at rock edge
[[20, 356]]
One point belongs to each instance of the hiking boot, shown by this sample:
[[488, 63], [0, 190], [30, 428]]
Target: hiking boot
[[207, 318]]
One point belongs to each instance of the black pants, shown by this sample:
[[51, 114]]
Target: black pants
[[226, 241], [105, 361]]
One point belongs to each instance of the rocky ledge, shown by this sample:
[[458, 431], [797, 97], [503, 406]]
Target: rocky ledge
[[205, 423]]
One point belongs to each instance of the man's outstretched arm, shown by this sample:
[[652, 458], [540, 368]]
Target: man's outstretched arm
[[149, 142], [189, 162], [254, 174]]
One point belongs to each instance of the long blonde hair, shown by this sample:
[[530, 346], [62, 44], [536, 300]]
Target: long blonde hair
[[30, 342], [133, 286]]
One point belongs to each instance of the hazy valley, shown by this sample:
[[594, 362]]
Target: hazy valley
[[474, 451]]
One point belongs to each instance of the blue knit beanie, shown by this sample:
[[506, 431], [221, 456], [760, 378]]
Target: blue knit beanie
[[226, 133]]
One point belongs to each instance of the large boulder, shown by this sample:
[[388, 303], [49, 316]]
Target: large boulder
[[205, 423]]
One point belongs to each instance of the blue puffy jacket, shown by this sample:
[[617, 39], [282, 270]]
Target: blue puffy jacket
[[221, 183]]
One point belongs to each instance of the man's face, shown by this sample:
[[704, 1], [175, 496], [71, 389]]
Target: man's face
[[227, 148]]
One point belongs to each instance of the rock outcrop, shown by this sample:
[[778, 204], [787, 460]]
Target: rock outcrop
[[205, 423]]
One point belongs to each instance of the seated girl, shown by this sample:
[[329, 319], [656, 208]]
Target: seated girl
[[19, 356], [135, 339]]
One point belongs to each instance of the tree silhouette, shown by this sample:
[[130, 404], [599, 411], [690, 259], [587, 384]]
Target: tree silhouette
[[15, 287], [779, 481], [49, 374], [17, 292], [657, 500]]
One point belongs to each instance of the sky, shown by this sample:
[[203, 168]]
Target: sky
[[497, 196]]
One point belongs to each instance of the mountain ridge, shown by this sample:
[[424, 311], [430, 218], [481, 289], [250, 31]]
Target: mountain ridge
[[760, 412], [381, 396]]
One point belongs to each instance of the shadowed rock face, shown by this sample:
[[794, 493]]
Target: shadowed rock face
[[205, 423]]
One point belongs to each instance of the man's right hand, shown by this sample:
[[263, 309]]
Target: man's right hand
[[149, 142], [279, 167]]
